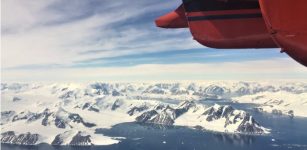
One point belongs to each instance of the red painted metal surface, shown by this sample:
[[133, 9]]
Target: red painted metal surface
[[175, 19], [232, 24], [287, 22], [231, 32]]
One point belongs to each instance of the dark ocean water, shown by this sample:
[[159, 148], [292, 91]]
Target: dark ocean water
[[286, 133]]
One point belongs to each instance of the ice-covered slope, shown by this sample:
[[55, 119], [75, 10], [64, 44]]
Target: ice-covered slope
[[279, 103], [157, 91], [62, 114]]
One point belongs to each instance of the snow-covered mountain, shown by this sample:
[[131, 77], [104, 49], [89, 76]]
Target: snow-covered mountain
[[216, 118], [180, 91], [62, 114], [278, 103]]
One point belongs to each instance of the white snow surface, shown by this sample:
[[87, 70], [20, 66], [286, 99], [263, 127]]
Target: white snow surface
[[281, 102], [70, 98]]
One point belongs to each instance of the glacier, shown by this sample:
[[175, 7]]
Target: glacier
[[69, 113]]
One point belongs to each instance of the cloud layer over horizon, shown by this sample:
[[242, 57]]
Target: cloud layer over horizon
[[116, 37]]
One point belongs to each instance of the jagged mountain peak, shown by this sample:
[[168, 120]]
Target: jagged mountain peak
[[64, 107]]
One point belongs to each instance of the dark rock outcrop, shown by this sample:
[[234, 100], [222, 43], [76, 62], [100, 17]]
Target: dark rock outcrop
[[81, 140], [135, 109], [249, 125], [184, 107], [221, 112], [291, 113], [101, 88], [21, 116], [94, 108], [146, 116], [247, 122], [22, 139], [86, 105], [167, 116], [115, 93], [47, 114], [68, 94], [35, 116], [6, 116], [78, 119], [15, 99], [116, 104], [60, 123], [58, 140]]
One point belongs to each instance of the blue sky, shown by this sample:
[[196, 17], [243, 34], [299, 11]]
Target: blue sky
[[53, 40]]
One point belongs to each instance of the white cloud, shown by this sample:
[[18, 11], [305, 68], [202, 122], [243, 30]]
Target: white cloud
[[250, 70], [47, 31], [60, 33]]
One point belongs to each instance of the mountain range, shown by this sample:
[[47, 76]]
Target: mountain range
[[70, 113]]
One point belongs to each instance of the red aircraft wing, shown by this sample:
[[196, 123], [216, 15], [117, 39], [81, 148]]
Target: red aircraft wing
[[287, 23], [233, 24]]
